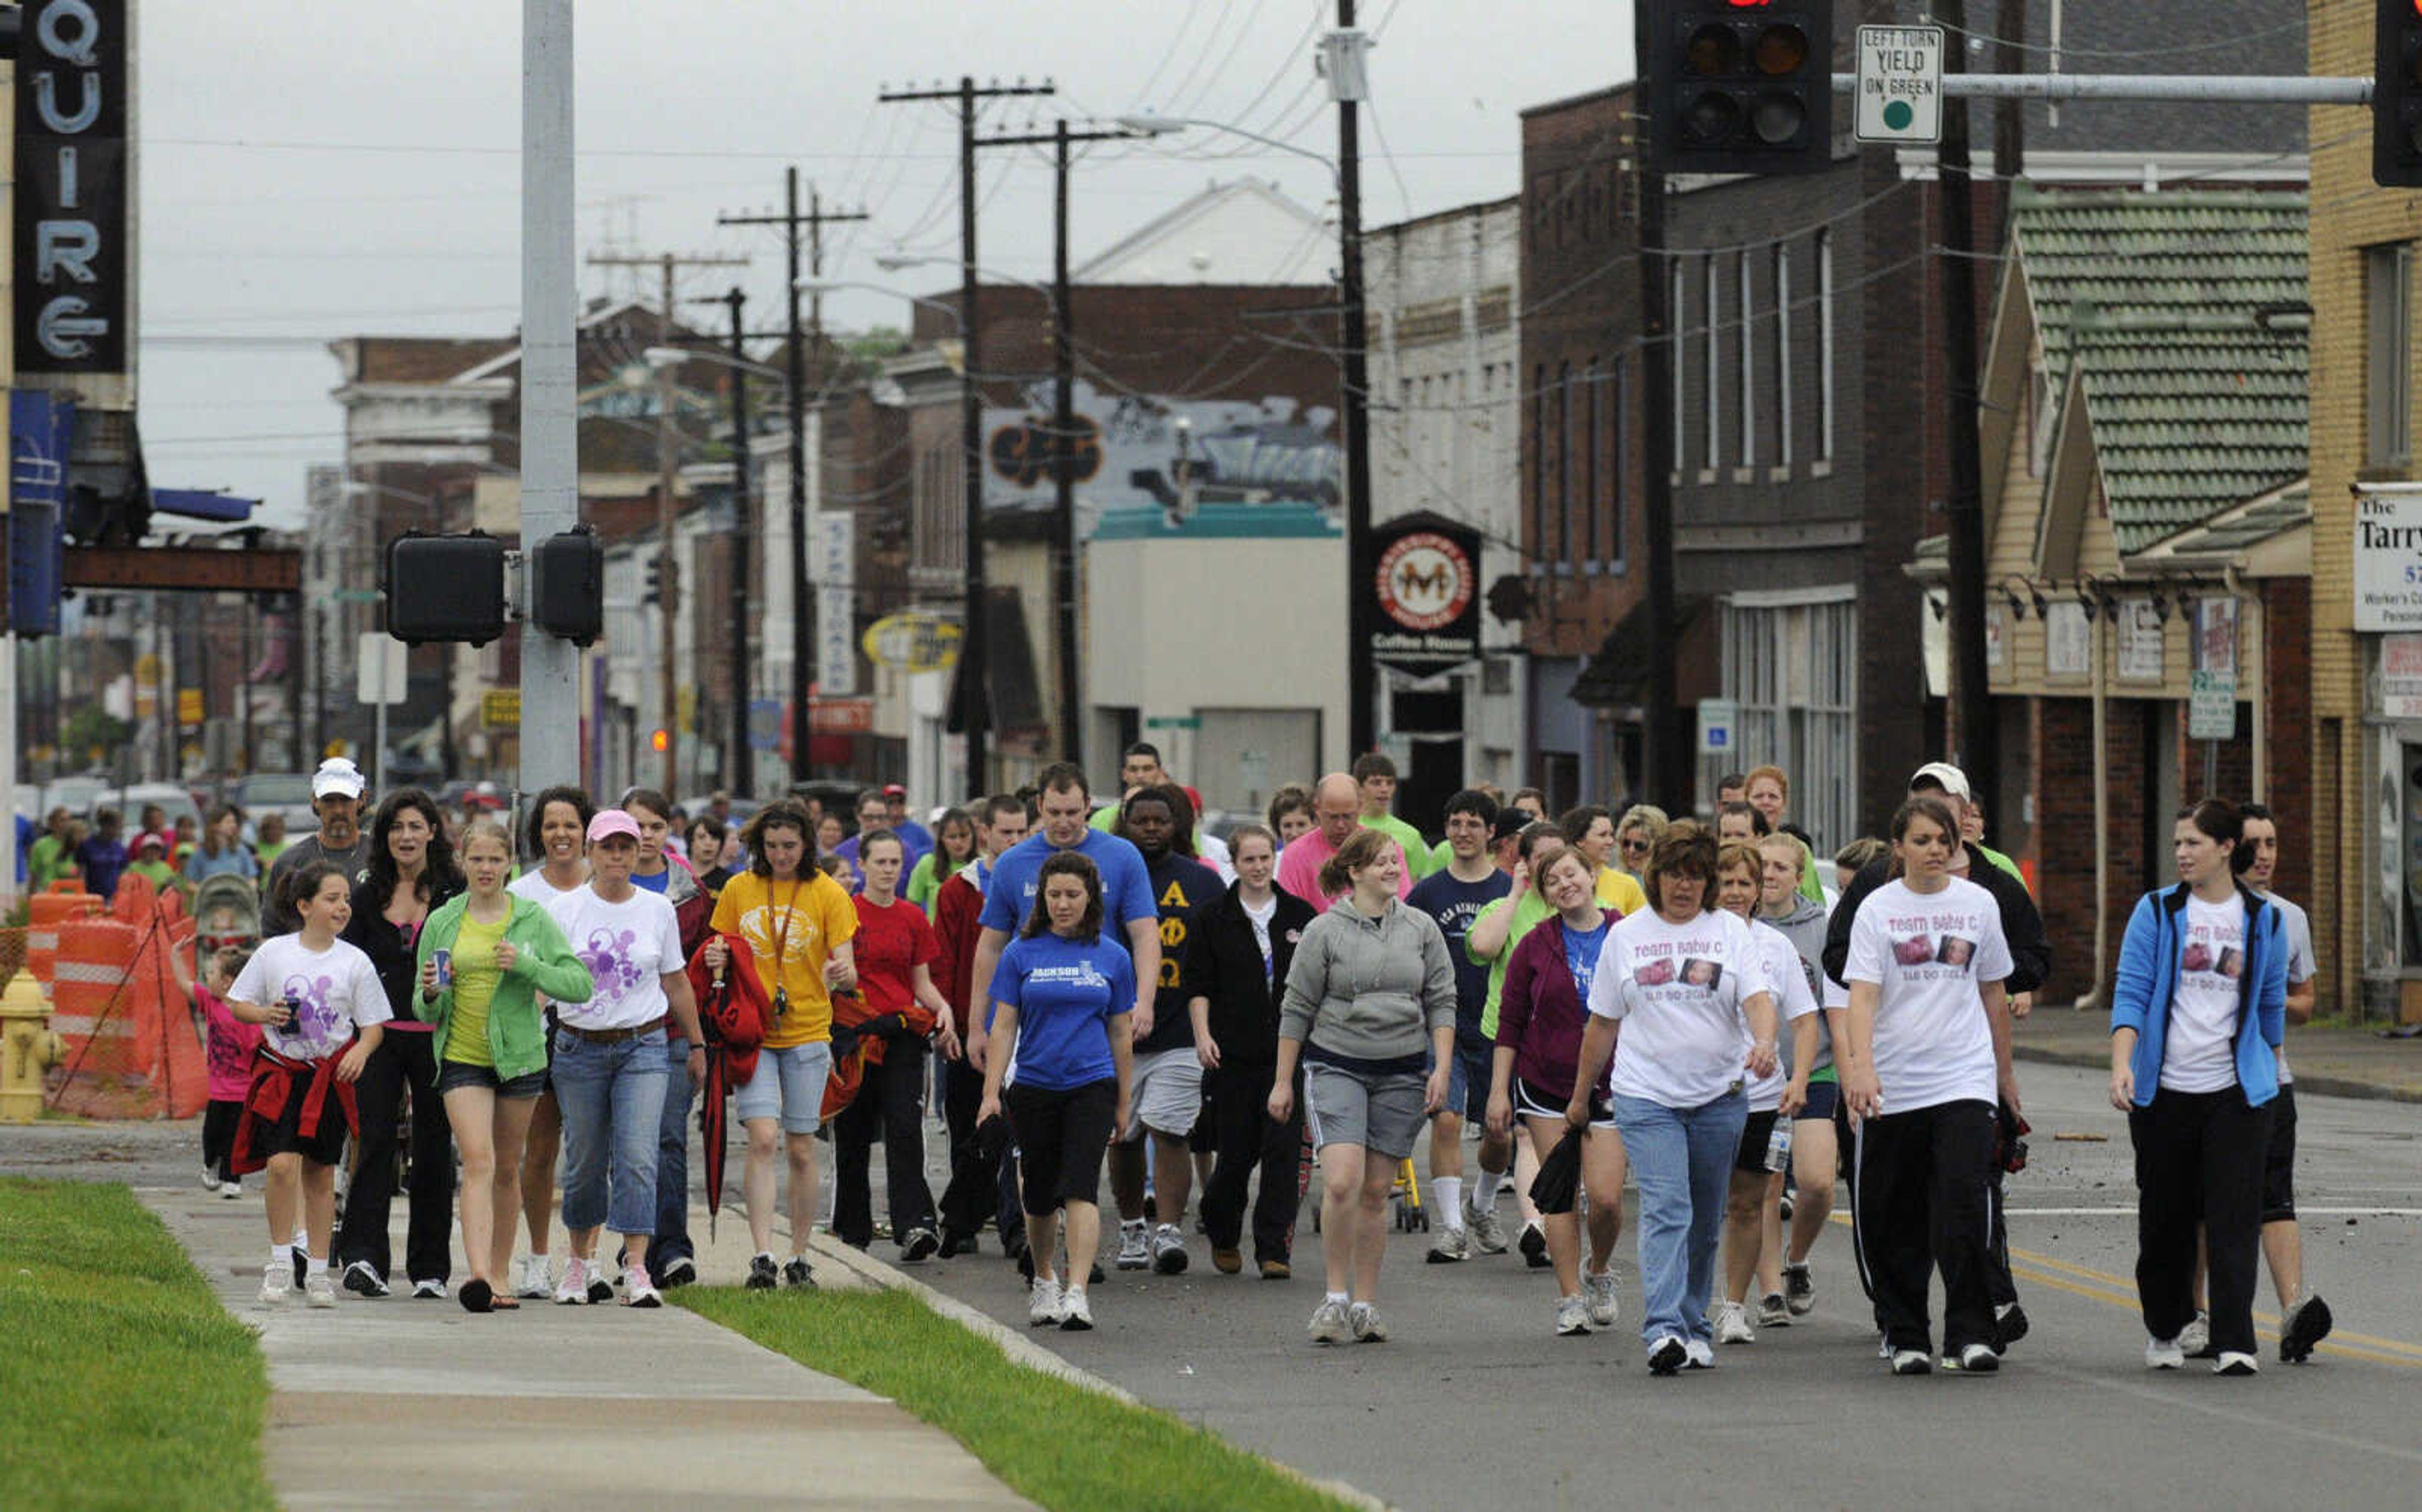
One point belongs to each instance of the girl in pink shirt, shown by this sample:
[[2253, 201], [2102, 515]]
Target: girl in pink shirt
[[229, 1048]]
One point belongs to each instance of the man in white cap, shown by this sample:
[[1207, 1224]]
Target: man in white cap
[[336, 799]]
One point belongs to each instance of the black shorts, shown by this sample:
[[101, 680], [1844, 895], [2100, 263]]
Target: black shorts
[[451, 1074], [2279, 1162], [324, 1146], [1060, 1137], [1754, 1135]]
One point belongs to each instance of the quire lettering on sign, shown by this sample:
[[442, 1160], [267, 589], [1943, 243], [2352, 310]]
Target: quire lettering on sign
[[72, 243]]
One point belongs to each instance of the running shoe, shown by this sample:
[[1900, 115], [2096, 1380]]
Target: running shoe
[[1043, 1307], [2306, 1324], [2236, 1363], [1227, 1261], [1572, 1317], [919, 1244], [231, 1190], [1168, 1250], [319, 1290], [1800, 1290], [1134, 1253], [1451, 1245], [1785, 1206], [1076, 1313], [363, 1277], [2009, 1326], [572, 1290], [1666, 1356], [536, 1278], [637, 1291], [1488, 1229], [1276, 1271], [276, 1285], [2196, 1338], [1329, 1324], [601, 1290], [763, 1276], [1597, 1291], [1368, 1328], [2163, 1354], [798, 1274], [1911, 1363], [1773, 1312], [679, 1272], [1972, 1360], [210, 1177], [1732, 1324], [1534, 1246], [1698, 1354], [429, 1291]]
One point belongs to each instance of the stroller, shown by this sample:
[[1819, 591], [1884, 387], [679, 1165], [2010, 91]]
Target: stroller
[[227, 911]]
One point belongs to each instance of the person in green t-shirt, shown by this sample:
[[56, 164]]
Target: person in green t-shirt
[[1375, 779], [148, 862], [52, 855]]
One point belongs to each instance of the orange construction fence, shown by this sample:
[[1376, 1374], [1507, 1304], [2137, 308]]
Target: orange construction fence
[[121, 1004]]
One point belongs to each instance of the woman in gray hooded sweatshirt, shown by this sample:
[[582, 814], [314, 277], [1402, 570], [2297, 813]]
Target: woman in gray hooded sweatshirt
[[1371, 990]]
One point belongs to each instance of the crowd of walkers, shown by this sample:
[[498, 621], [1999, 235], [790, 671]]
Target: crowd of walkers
[[1708, 1013]]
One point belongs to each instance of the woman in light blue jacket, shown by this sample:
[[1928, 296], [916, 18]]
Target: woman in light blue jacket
[[2197, 1016]]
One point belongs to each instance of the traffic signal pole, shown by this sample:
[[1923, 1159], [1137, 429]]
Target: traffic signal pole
[[550, 490], [1978, 752]]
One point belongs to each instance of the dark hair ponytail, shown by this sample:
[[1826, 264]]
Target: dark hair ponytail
[[303, 881], [2224, 823]]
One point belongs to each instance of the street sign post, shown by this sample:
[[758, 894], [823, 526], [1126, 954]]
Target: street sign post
[[1900, 83], [1719, 724]]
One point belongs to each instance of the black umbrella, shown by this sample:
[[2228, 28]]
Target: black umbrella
[[1557, 1187]]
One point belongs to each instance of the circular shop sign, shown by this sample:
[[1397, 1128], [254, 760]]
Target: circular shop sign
[[1425, 580]]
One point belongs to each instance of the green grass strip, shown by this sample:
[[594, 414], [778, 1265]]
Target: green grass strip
[[1055, 1442], [127, 1384]]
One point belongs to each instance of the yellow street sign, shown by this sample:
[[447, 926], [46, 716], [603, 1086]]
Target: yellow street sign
[[914, 641], [500, 708]]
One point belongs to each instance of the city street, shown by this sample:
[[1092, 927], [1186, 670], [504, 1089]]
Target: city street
[[1474, 1403]]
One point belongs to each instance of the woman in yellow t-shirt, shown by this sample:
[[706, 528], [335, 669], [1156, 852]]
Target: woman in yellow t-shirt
[[797, 923]]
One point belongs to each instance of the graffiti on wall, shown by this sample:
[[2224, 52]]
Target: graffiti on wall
[[1145, 451]]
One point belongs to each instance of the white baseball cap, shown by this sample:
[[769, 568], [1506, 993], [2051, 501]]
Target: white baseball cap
[[1952, 779], [338, 776]]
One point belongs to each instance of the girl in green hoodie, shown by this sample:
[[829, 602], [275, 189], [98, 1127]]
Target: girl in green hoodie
[[484, 957]]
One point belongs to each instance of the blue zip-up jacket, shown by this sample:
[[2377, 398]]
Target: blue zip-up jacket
[[2149, 980]]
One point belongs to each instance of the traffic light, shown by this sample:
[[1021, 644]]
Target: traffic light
[[37, 567], [658, 741], [658, 566], [567, 586], [1741, 86], [445, 587], [2396, 95]]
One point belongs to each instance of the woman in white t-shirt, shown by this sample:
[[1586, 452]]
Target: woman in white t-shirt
[[2197, 1010], [556, 832], [1753, 1209], [609, 1058], [1683, 984], [323, 1011], [1927, 1053]]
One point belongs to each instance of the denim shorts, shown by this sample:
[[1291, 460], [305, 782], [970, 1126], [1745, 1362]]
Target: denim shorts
[[451, 1074], [1467, 1075], [789, 1084]]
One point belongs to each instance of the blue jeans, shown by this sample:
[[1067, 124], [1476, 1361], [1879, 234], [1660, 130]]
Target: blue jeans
[[1682, 1160], [672, 1162], [612, 1098]]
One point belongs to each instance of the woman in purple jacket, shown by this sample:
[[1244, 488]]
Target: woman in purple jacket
[[1539, 1023]]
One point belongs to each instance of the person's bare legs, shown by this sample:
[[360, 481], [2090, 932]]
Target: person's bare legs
[[320, 1207], [1604, 1165], [282, 1188], [538, 1171], [1526, 1170], [1042, 1243], [757, 1180], [804, 1187], [1371, 1223], [471, 1112], [1341, 1187], [1813, 1163], [511, 1131], [1741, 1231], [1563, 1229], [1083, 1224], [2283, 1251], [1770, 1235], [1172, 1175], [1125, 1161]]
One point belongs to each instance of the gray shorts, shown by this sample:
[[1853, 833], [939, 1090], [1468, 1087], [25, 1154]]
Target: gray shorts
[[1168, 1094], [1380, 1111]]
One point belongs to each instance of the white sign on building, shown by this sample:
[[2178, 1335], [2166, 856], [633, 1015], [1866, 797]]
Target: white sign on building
[[2388, 556], [832, 551]]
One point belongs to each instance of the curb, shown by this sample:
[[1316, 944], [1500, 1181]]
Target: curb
[[2319, 1086], [1023, 1349]]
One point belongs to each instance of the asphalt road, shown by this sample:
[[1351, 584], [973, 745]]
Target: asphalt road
[[1474, 1403]]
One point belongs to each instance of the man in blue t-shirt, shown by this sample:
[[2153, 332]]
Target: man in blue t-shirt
[[1454, 896], [1128, 910]]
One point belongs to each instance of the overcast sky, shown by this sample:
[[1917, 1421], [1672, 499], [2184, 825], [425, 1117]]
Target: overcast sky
[[313, 170]]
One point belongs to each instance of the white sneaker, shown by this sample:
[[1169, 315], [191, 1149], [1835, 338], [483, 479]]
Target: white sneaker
[[2163, 1354], [1168, 1250], [429, 1290], [276, 1285], [637, 1291], [1732, 1324], [1329, 1324], [1572, 1317], [1134, 1255], [1368, 1328], [2236, 1363], [534, 1277], [1699, 1354], [1451, 1245], [231, 1190], [1488, 1229], [210, 1177], [1597, 1291], [1911, 1363], [572, 1292], [2195, 1340], [319, 1288], [1773, 1312], [1043, 1305], [1076, 1313]]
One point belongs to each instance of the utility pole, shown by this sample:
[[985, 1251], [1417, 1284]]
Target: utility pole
[[1978, 749], [975, 691], [550, 344], [1362, 570], [668, 265], [1063, 431], [738, 774], [1667, 778], [803, 587]]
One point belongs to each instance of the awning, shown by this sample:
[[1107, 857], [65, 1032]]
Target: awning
[[1015, 695], [202, 504], [1618, 673]]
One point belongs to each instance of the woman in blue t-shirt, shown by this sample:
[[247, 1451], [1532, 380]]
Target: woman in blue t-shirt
[[1061, 1060]]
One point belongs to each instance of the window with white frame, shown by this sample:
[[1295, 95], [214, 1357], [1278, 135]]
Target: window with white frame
[[2388, 342], [1748, 348], [1715, 355], [1783, 353], [1676, 270], [1825, 344], [1790, 662]]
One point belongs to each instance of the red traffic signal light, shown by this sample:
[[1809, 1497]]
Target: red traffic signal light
[[658, 740]]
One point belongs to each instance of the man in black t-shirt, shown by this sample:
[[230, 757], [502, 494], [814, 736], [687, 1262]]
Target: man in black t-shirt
[[336, 799]]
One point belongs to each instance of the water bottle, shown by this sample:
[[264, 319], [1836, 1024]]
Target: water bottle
[[1778, 1147]]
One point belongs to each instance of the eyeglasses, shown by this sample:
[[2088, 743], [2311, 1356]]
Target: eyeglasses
[[1635, 847]]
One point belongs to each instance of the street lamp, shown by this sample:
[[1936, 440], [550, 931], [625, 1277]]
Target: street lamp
[[1361, 599]]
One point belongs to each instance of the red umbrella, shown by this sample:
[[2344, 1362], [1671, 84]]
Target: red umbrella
[[733, 1013]]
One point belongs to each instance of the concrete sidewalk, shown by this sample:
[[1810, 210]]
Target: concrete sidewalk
[[2328, 1060], [379, 1404]]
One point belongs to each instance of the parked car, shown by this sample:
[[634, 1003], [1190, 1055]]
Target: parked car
[[287, 794], [77, 795], [173, 798]]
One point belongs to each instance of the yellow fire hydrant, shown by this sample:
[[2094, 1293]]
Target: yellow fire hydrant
[[27, 1049]]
